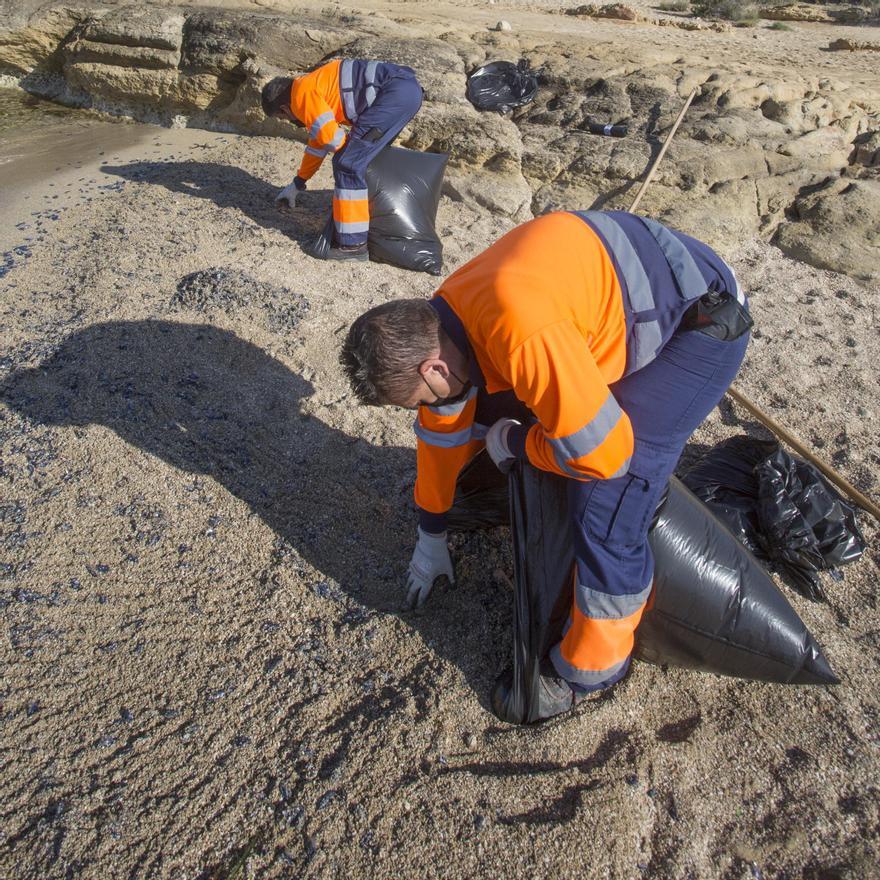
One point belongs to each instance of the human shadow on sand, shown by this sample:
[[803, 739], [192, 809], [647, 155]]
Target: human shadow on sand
[[207, 402], [230, 187]]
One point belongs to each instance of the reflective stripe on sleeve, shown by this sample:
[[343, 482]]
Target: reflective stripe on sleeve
[[478, 432], [444, 441], [336, 143], [319, 123], [687, 274], [624, 468], [588, 438]]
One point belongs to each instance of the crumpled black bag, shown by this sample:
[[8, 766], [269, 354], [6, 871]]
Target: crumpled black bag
[[502, 85], [404, 190], [780, 507], [713, 607]]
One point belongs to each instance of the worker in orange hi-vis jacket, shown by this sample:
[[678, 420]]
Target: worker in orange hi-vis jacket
[[376, 99], [590, 344]]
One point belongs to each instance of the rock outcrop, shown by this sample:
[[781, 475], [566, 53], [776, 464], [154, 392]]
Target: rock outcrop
[[846, 45], [795, 12], [836, 228], [749, 150]]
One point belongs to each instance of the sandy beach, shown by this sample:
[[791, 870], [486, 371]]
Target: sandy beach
[[207, 668]]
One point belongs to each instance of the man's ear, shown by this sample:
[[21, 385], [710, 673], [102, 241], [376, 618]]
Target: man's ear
[[434, 365]]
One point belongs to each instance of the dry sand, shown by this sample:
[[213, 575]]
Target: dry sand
[[206, 669]]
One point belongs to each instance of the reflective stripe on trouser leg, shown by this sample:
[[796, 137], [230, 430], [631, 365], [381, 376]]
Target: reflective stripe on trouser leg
[[395, 105], [595, 650], [351, 204], [351, 215]]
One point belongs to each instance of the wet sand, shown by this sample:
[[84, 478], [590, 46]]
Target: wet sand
[[206, 668]]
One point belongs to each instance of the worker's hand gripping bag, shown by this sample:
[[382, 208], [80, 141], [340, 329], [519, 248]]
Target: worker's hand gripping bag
[[713, 606], [404, 190]]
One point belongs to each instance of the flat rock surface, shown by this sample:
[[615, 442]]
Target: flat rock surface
[[203, 540]]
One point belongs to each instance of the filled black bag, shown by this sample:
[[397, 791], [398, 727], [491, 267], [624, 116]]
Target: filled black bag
[[404, 191], [713, 606], [780, 506], [501, 86]]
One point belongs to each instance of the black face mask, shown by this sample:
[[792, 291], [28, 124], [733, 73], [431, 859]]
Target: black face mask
[[457, 398]]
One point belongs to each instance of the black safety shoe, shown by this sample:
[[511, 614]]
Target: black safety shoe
[[355, 254], [555, 696]]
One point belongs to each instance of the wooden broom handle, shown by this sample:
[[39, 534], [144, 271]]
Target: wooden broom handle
[[662, 153]]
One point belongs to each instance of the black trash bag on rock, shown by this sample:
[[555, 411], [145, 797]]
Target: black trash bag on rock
[[404, 190], [780, 507], [501, 86], [713, 607]]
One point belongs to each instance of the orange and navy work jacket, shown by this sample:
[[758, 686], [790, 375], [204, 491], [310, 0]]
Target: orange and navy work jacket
[[333, 95], [316, 101], [556, 311]]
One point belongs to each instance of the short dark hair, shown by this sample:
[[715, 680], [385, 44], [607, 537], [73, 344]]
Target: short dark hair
[[275, 95], [385, 347]]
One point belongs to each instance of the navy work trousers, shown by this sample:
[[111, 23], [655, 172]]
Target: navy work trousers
[[665, 401], [397, 101]]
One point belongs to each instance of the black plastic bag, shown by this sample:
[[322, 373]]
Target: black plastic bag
[[780, 506], [501, 86], [725, 480], [481, 497], [713, 607], [404, 190]]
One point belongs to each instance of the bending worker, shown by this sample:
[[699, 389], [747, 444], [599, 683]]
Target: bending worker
[[377, 99], [590, 344]]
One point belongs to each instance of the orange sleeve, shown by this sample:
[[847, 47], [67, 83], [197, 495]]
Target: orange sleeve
[[446, 443], [325, 133], [582, 431]]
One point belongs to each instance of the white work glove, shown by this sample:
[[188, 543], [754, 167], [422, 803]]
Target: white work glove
[[496, 444], [286, 199], [430, 559]]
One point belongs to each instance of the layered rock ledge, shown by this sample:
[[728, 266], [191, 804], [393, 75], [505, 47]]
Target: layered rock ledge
[[761, 152]]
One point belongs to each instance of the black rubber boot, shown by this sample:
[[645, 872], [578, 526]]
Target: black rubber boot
[[358, 254], [555, 696]]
